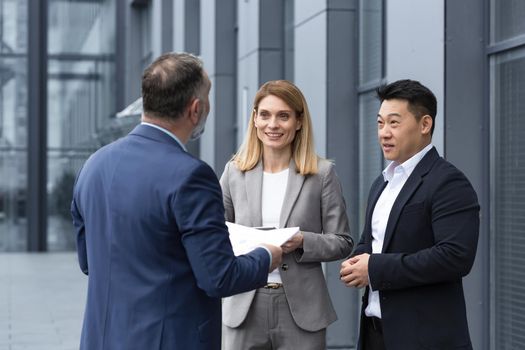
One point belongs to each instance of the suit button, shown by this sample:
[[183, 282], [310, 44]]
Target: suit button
[[284, 267]]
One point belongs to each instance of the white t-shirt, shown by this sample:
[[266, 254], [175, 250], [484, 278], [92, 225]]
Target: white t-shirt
[[273, 191]]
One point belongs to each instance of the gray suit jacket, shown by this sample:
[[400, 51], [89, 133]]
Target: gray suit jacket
[[314, 203]]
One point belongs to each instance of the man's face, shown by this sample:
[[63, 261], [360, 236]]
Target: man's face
[[206, 96], [204, 109], [400, 134]]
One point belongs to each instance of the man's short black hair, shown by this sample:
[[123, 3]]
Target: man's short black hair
[[421, 101], [169, 84]]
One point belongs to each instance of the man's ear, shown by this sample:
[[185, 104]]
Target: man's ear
[[426, 124], [194, 110]]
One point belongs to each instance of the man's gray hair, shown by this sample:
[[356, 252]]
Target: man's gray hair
[[169, 84]]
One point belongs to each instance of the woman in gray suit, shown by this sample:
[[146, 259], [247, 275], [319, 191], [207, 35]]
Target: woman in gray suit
[[277, 180]]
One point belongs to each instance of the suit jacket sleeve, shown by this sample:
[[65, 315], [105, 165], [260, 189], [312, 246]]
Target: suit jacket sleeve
[[363, 246], [334, 242], [365, 243], [199, 213], [80, 230], [455, 225]]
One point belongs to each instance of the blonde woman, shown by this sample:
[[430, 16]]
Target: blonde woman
[[276, 179]]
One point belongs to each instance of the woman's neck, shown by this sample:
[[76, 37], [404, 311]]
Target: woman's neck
[[275, 161]]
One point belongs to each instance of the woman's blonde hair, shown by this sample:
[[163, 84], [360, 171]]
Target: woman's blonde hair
[[303, 152]]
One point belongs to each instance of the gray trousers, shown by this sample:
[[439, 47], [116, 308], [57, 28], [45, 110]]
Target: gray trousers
[[269, 326]]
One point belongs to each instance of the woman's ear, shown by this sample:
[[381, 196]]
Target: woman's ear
[[299, 122]]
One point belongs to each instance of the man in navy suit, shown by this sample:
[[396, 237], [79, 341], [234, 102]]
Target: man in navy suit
[[420, 235], [150, 226]]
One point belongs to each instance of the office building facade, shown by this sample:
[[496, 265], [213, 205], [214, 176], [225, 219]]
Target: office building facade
[[68, 67]]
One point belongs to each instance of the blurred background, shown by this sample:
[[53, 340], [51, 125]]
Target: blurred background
[[70, 73]]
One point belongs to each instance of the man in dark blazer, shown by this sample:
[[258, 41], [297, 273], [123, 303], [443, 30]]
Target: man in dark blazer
[[150, 226], [420, 235]]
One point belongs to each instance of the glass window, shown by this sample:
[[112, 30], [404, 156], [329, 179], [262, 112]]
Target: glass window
[[81, 100], [13, 125], [508, 198], [508, 19]]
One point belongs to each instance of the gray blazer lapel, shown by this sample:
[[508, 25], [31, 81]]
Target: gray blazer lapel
[[254, 193], [293, 188], [413, 182]]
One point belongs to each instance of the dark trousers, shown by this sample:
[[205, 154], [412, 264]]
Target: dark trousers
[[373, 334]]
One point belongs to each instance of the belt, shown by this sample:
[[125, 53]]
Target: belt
[[273, 285], [375, 323]]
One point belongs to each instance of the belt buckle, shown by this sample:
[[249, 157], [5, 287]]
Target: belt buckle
[[273, 285]]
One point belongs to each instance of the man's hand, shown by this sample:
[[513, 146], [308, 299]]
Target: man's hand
[[277, 255], [296, 241], [354, 271]]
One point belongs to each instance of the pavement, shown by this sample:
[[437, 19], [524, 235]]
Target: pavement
[[42, 298]]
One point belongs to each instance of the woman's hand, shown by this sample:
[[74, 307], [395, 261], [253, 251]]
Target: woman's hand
[[296, 241]]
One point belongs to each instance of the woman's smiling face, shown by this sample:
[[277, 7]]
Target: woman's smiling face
[[276, 123]]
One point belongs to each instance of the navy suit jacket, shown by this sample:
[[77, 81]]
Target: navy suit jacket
[[430, 245], [151, 236]]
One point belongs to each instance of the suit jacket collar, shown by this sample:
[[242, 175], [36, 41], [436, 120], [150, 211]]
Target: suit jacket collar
[[413, 182], [293, 189], [254, 181], [254, 193], [377, 188], [154, 134]]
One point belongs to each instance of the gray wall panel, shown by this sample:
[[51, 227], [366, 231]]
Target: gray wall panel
[[207, 53], [342, 146], [130, 61], [270, 65], [467, 140], [218, 50], [178, 25], [37, 123], [421, 57], [247, 85], [224, 121], [305, 9], [167, 26], [247, 62], [248, 22], [271, 24], [325, 70], [310, 72], [192, 26]]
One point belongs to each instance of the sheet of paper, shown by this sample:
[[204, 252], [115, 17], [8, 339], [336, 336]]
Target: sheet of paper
[[244, 238]]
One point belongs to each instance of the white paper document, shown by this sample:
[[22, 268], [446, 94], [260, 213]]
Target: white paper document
[[244, 239]]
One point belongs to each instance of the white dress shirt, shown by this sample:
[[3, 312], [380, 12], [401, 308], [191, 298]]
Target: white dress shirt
[[273, 191], [396, 175], [172, 135]]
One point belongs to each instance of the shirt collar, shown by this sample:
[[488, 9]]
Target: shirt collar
[[172, 135], [408, 166]]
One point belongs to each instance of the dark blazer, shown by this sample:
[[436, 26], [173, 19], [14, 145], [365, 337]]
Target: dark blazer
[[430, 244], [150, 231]]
